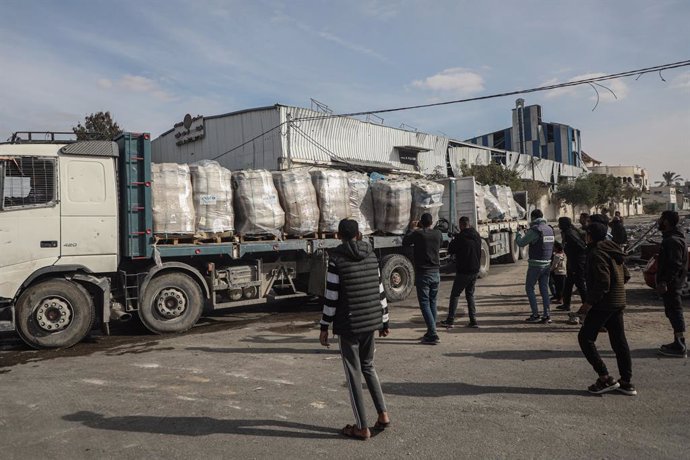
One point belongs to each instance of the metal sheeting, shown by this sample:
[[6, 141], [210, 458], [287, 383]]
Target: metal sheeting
[[469, 155]]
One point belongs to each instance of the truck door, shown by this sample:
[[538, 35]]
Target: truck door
[[29, 218]]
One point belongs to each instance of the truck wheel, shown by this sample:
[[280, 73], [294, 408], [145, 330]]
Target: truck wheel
[[397, 276], [513, 251], [54, 314], [173, 302], [484, 260], [524, 252]]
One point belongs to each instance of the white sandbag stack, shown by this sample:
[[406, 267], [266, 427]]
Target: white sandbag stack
[[332, 194], [173, 208], [392, 205], [298, 200], [504, 195], [426, 197], [494, 210], [361, 201], [212, 194], [257, 207], [480, 203]]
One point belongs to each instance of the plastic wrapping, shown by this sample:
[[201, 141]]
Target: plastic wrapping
[[298, 200], [257, 207], [504, 195], [521, 212], [212, 195], [392, 205], [426, 197], [173, 208], [361, 201], [480, 203], [494, 211], [332, 195]]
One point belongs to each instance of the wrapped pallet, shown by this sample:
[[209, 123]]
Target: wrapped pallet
[[426, 197], [257, 207], [521, 212], [361, 201], [392, 205], [504, 195], [298, 200], [173, 208], [332, 195], [212, 194], [494, 210], [480, 203]]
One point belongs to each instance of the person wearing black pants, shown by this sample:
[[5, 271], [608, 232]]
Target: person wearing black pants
[[576, 255], [670, 277], [606, 278]]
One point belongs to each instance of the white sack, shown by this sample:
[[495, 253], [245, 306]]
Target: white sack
[[298, 200], [426, 197], [212, 194], [361, 201], [257, 208], [332, 193], [392, 204], [171, 193]]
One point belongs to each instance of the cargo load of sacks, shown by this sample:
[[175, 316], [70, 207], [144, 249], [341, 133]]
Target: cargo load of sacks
[[173, 207], [257, 207], [392, 205], [480, 203], [426, 198], [504, 195], [298, 200], [332, 190], [361, 201], [494, 210], [212, 195]]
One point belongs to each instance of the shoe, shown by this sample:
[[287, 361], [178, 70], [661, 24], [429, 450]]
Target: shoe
[[563, 307], [447, 323], [603, 330], [603, 386], [626, 388], [545, 320], [533, 319], [473, 325], [676, 349], [430, 340]]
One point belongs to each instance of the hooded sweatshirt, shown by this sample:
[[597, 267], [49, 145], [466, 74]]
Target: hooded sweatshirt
[[467, 248], [354, 299], [673, 259], [606, 276]]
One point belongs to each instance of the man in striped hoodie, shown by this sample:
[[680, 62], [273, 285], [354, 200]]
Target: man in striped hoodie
[[356, 306]]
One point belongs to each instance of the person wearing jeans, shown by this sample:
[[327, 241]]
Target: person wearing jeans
[[426, 243], [540, 238]]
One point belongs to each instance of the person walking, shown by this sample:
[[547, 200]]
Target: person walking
[[540, 238], [559, 262], [426, 243], [584, 221], [670, 277], [606, 278], [466, 246], [356, 307], [618, 232], [576, 252]]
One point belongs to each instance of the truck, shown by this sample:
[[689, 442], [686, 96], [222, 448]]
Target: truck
[[77, 248]]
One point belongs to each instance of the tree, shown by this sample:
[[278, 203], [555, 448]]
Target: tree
[[630, 194], [580, 192], [671, 177], [97, 126], [493, 174], [654, 207]]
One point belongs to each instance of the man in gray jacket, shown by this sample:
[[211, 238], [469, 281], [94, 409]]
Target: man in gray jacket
[[356, 306]]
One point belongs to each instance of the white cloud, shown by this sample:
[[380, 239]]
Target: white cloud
[[140, 84], [105, 83], [619, 87], [456, 80], [681, 82], [381, 9]]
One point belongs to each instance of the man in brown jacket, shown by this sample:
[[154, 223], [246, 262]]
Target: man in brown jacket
[[606, 278]]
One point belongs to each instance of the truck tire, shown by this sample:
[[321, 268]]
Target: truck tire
[[524, 252], [56, 313], [513, 251], [397, 277], [484, 260], [173, 302]]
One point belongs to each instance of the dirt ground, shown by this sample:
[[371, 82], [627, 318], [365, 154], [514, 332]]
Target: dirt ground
[[255, 383]]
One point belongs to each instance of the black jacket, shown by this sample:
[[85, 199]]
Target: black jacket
[[620, 236], [606, 276], [427, 244], [467, 248], [673, 259], [354, 299], [575, 249]]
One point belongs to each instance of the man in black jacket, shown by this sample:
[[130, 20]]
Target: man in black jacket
[[467, 249], [576, 254], [427, 244], [606, 277], [671, 274], [356, 306], [618, 232]]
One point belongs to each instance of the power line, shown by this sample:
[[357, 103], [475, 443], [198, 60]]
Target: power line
[[584, 81]]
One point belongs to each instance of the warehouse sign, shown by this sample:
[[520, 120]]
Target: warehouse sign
[[410, 155], [189, 130]]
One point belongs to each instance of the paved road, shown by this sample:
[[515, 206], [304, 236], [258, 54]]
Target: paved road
[[256, 384]]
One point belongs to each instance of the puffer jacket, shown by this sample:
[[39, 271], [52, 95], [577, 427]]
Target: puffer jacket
[[606, 276], [673, 259]]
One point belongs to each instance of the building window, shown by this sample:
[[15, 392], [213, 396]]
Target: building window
[[550, 133], [27, 182], [500, 140]]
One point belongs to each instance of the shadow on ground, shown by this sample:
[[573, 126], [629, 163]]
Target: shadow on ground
[[530, 355], [438, 389]]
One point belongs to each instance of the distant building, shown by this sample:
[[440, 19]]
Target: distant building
[[632, 175], [530, 135], [665, 194]]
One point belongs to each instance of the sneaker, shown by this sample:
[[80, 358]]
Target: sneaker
[[545, 320], [430, 340], [563, 307], [603, 386], [473, 325], [626, 388], [533, 319], [447, 323], [677, 349]]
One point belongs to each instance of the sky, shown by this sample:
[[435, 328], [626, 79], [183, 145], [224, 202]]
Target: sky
[[151, 62]]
